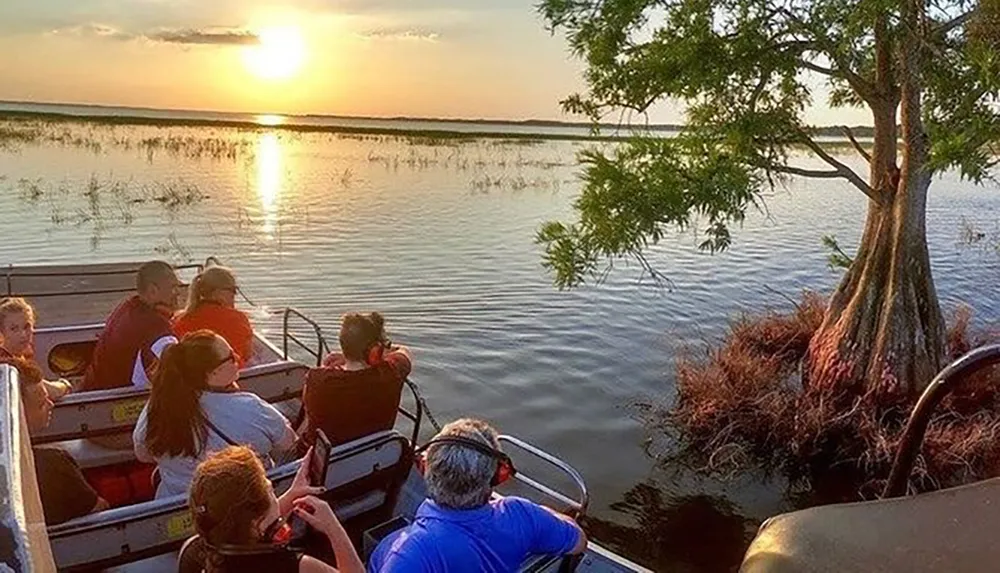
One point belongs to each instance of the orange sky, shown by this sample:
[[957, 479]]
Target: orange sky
[[422, 58]]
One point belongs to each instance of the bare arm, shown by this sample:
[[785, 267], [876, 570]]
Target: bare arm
[[57, 388], [404, 351], [312, 565], [319, 515], [581, 544]]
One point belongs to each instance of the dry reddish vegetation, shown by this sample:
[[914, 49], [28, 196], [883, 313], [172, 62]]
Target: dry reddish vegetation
[[743, 403]]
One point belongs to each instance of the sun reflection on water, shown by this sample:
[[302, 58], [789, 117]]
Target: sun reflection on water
[[269, 120], [269, 179]]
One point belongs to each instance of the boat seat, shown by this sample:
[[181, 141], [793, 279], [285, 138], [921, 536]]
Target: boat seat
[[950, 530], [353, 407], [115, 412], [89, 454], [74, 294], [136, 532], [191, 557]]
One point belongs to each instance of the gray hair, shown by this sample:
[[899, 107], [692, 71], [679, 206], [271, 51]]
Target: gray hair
[[459, 476]]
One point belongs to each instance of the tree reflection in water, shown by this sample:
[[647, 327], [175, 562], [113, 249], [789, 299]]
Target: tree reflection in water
[[691, 533]]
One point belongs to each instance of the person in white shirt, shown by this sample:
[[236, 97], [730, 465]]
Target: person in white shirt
[[195, 408]]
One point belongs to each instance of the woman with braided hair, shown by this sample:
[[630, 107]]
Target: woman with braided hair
[[243, 524], [195, 408]]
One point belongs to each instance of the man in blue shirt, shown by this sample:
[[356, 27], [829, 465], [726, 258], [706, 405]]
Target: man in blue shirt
[[460, 528]]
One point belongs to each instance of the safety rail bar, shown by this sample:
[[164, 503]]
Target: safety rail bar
[[578, 505], [286, 336], [942, 385], [417, 417]]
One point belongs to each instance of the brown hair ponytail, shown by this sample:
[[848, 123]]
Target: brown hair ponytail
[[176, 422]]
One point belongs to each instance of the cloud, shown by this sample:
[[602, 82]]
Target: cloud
[[401, 35], [183, 36], [205, 37], [99, 30]]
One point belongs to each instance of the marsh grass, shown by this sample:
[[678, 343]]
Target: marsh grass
[[106, 203]]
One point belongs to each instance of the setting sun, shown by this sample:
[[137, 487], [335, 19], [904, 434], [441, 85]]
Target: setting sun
[[279, 55]]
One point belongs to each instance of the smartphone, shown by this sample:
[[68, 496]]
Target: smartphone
[[317, 478], [318, 462]]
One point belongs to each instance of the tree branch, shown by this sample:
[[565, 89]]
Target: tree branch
[[956, 22], [857, 146], [843, 170], [818, 68], [859, 84], [814, 173]]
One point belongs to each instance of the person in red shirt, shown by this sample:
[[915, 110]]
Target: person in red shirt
[[212, 306], [136, 333], [357, 391]]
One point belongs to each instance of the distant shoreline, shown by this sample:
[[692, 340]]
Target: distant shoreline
[[608, 132], [336, 117], [300, 128]]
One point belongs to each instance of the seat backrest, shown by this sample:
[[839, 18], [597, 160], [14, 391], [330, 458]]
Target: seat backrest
[[191, 557], [65, 295], [353, 406], [66, 351], [358, 482], [115, 412]]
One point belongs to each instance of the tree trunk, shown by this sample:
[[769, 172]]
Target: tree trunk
[[883, 331]]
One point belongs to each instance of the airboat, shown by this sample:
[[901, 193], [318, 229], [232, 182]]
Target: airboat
[[371, 479]]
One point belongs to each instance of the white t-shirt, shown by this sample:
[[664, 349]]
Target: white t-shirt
[[139, 377], [243, 417]]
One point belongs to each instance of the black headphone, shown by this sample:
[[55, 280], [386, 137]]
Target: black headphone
[[505, 466]]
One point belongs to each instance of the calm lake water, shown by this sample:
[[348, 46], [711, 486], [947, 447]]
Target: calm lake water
[[439, 235]]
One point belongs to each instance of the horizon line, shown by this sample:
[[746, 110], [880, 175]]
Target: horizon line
[[481, 120]]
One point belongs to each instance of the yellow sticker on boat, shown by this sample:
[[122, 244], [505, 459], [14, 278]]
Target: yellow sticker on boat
[[127, 411], [180, 526]]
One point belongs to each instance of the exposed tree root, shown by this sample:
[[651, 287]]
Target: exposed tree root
[[743, 404]]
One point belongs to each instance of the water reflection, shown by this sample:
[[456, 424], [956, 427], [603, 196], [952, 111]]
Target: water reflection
[[269, 167], [269, 120], [685, 533]]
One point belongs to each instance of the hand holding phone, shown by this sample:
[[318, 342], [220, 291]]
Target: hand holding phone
[[318, 461], [316, 467]]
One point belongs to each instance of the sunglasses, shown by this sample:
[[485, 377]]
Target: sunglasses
[[231, 357]]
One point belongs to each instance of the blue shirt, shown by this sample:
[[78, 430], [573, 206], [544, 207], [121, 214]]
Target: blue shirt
[[497, 537]]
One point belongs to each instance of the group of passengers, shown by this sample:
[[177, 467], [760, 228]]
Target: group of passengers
[[215, 442]]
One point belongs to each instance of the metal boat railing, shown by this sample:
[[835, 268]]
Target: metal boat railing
[[916, 427], [287, 336], [577, 505]]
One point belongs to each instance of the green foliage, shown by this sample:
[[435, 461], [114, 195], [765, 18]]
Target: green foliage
[[742, 69], [963, 106], [642, 189], [837, 259]]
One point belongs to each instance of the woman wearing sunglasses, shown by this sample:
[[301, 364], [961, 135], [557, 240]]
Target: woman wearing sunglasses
[[243, 523], [212, 306], [195, 408]]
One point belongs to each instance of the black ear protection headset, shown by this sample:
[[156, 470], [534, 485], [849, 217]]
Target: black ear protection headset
[[505, 467], [277, 534]]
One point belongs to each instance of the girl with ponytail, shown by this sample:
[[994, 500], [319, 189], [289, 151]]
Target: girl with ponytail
[[212, 306], [195, 408]]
